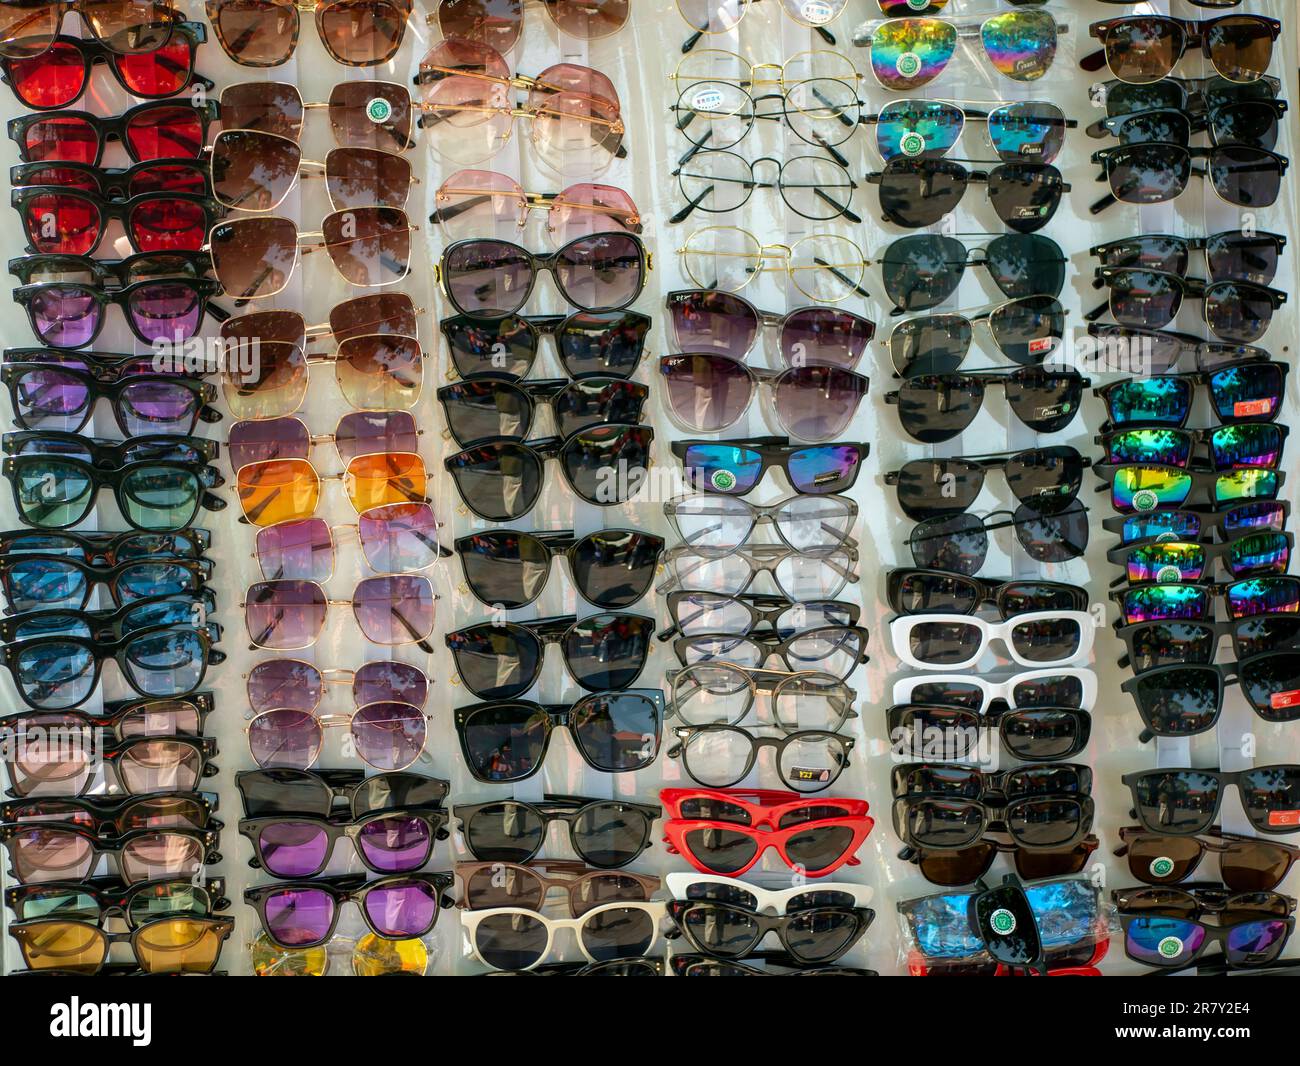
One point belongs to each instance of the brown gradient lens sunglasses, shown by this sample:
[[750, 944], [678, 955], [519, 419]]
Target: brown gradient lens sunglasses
[[363, 114], [264, 33], [507, 884], [499, 23]]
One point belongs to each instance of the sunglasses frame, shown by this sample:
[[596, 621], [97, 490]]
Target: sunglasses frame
[[537, 326], [113, 127], [114, 899], [567, 809], [213, 11], [434, 820], [204, 841]]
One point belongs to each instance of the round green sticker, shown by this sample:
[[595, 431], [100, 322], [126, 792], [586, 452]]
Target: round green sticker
[[379, 110], [1171, 535], [1145, 500], [1170, 947], [1161, 866], [723, 480], [1169, 575], [912, 144], [908, 64], [1002, 922]]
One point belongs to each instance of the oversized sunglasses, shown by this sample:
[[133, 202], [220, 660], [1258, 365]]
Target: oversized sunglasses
[[282, 490], [285, 615], [264, 33], [362, 114], [606, 343]]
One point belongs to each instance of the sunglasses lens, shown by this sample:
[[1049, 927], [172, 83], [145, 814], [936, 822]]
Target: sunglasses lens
[[253, 171], [1240, 47], [1144, 488], [1165, 447], [300, 917], [1168, 562], [1253, 390], [474, 202], [501, 481], [1181, 802], [362, 33], [1168, 602], [601, 272], [492, 22], [399, 538], [1025, 195], [1180, 701], [923, 270], [713, 321], [253, 257], [286, 684], [1272, 685], [918, 127], [593, 401], [1155, 400], [507, 569], [591, 456], [1054, 537], [1265, 595], [706, 393], [1029, 130], [285, 738], [273, 438], [278, 490], [270, 107], [361, 177], [607, 343], [486, 278], [908, 53], [388, 736], [1149, 173], [380, 372], [1020, 44], [302, 550], [385, 478], [256, 33], [1029, 329], [934, 344], [588, 650], [285, 615], [504, 347], [1252, 866], [1024, 265], [369, 114], [918, 192], [396, 609], [384, 681], [816, 403], [1141, 50], [369, 245], [1271, 796]]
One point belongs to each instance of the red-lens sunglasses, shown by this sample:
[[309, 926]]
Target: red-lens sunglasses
[[158, 129]]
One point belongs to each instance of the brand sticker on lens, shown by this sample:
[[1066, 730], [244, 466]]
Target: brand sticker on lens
[[826, 478], [809, 774], [1161, 866], [1170, 947], [1041, 344], [908, 64], [817, 12], [1284, 818], [1145, 500], [722, 480], [707, 100], [1002, 922], [1165, 537], [1252, 408], [1280, 701], [1169, 575], [1052, 410], [378, 110], [911, 144], [919, 5]]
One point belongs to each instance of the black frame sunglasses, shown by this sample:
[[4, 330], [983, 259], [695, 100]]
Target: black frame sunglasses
[[114, 578], [112, 899], [915, 193], [502, 408], [281, 790], [1047, 479], [1281, 781], [576, 812], [1010, 597], [119, 128], [1193, 642], [434, 820], [815, 936], [770, 453], [586, 342], [1036, 734]]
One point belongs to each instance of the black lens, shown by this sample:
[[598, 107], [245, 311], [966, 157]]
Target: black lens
[[607, 464], [505, 346], [938, 732], [1026, 264], [1177, 801], [607, 651], [504, 567], [938, 823], [617, 731], [1242, 257], [602, 343], [725, 931], [283, 791], [933, 593], [504, 742], [1060, 690], [1172, 644], [1148, 173], [1144, 299], [936, 407], [936, 344], [1272, 685], [397, 789], [918, 192], [1047, 640], [722, 850], [1271, 796], [1046, 479], [614, 568], [1266, 632], [1238, 311], [1021, 597], [1245, 176], [483, 408], [1167, 127], [1152, 251], [1123, 98], [1028, 330], [1250, 122], [1045, 822], [591, 401], [496, 662], [1045, 732], [957, 543], [1025, 195], [823, 935], [1044, 401], [923, 270], [618, 932], [504, 832], [928, 488], [1053, 537], [944, 643], [499, 481], [610, 834], [511, 941]]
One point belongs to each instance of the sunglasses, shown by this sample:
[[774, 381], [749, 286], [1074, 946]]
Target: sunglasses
[[614, 732], [141, 764], [304, 914], [735, 468], [27, 30], [501, 25], [723, 693], [362, 114], [493, 279], [1269, 594], [255, 171], [720, 756], [1025, 129], [825, 267], [283, 490], [810, 932], [1033, 822], [718, 525], [399, 538], [59, 76], [797, 577], [513, 938], [1038, 639], [1145, 48], [48, 396], [1246, 864], [908, 53], [1249, 122], [1152, 645], [603, 833], [254, 258], [358, 433], [1234, 446], [1185, 802], [35, 581], [923, 270], [1044, 479], [918, 192], [1035, 734], [727, 831], [813, 187], [1026, 330], [1235, 311], [501, 480], [1175, 561], [117, 183], [387, 842], [284, 791], [391, 609], [489, 885], [1196, 95], [124, 720], [603, 343], [1247, 392], [700, 613], [503, 661], [922, 591], [71, 222], [156, 129], [1148, 486], [937, 407], [164, 945], [369, 956], [965, 866], [387, 736], [294, 684], [57, 852], [960, 543], [610, 568], [264, 33], [833, 651], [1070, 687], [1183, 700], [97, 900], [1156, 173], [485, 407], [1162, 926], [1231, 255]]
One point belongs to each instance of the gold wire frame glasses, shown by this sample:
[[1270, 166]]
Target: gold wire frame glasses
[[825, 267]]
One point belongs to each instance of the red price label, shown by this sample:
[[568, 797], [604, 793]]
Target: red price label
[[1281, 818], [1280, 701], [1251, 408]]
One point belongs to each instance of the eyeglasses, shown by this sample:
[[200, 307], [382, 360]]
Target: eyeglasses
[[718, 525], [513, 938], [55, 853], [811, 933], [501, 24], [1070, 687], [283, 791], [1184, 802], [1248, 392], [70, 222], [501, 480], [1231, 255], [708, 320], [1179, 642], [1184, 601], [488, 885], [493, 279], [34, 581], [486, 407], [165, 945], [723, 693], [503, 661], [305, 914], [923, 269], [727, 831], [614, 732], [1155, 173], [944, 592], [94, 902], [1037, 639], [27, 30], [1246, 864], [833, 650], [48, 396], [397, 538], [1026, 330], [604, 833], [364, 114], [283, 490], [797, 577], [1183, 700], [370, 956], [391, 609], [472, 203], [720, 756], [157, 129], [264, 33], [1163, 926], [1032, 733], [1234, 310], [967, 865], [824, 267], [700, 613], [1145, 48], [1045, 479], [51, 79], [735, 468], [608, 343], [124, 720], [1250, 122], [610, 568], [1255, 553], [387, 842], [811, 186], [937, 407], [254, 258], [1148, 486], [1024, 129], [919, 192], [358, 433], [141, 764], [712, 16], [908, 53], [959, 543], [388, 735]]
